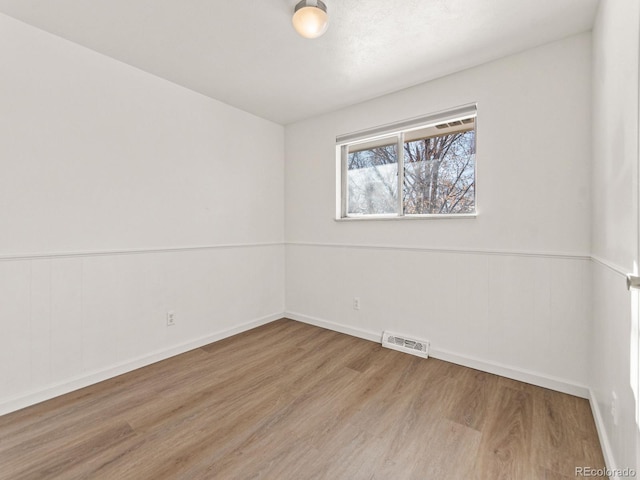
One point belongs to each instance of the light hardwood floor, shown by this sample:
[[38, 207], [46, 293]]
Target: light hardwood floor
[[293, 401]]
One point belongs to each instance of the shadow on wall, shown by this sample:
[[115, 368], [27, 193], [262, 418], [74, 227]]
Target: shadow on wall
[[634, 362]]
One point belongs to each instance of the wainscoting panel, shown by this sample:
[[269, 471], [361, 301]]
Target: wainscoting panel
[[72, 320], [522, 311]]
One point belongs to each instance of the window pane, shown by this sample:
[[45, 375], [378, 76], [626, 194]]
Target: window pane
[[372, 177], [439, 170]]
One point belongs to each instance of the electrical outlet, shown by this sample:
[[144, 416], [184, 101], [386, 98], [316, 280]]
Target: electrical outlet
[[171, 318], [356, 303], [614, 408]]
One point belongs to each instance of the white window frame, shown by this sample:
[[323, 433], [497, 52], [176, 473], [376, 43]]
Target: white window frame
[[398, 129]]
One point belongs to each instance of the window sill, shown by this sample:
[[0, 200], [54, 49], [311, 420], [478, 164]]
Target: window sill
[[366, 218]]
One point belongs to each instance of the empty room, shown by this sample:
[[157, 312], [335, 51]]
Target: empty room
[[303, 239]]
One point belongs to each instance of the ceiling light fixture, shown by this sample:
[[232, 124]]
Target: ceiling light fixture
[[310, 18]]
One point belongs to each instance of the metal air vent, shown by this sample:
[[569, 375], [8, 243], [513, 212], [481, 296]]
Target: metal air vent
[[405, 344]]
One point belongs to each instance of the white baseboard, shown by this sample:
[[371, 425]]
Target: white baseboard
[[91, 378], [515, 373], [607, 451], [336, 327]]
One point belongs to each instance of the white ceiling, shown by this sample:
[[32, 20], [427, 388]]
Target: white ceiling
[[246, 53]]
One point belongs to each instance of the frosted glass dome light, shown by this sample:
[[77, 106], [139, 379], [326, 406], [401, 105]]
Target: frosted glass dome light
[[310, 18]]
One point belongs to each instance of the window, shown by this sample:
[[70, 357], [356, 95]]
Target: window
[[420, 168]]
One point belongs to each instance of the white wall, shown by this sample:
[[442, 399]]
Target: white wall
[[508, 291], [109, 178], [614, 347]]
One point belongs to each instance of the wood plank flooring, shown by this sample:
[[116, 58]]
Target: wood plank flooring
[[293, 401]]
